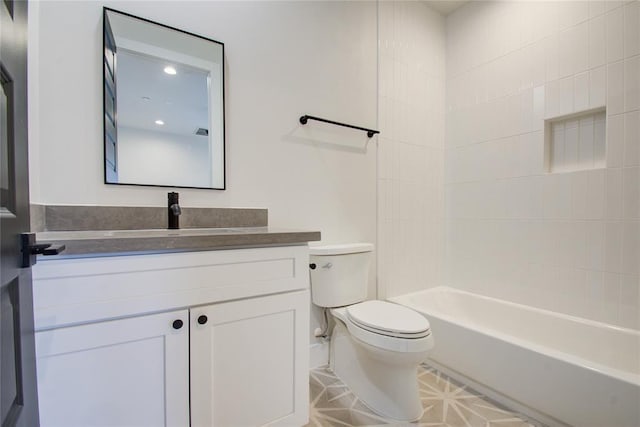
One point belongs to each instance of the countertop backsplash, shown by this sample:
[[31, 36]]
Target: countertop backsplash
[[85, 218]]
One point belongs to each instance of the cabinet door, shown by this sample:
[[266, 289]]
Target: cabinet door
[[250, 362], [127, 372]]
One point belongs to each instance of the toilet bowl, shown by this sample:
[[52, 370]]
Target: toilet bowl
[[376, 346], [379, 363]]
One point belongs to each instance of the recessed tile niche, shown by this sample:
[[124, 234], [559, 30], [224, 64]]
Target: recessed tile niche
[[576, 142]]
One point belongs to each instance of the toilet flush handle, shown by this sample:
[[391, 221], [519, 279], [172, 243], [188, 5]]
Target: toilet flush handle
[[327, 265]]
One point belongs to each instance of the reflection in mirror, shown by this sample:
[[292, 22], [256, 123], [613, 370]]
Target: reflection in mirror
[[163, 105]]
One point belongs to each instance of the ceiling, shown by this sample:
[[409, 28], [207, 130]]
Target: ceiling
[[146, 94], [445, 7]]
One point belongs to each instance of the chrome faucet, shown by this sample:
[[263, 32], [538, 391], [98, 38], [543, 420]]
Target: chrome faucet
[[174, 211]]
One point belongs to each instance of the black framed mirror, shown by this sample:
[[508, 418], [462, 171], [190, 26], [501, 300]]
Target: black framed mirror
[[163, 92]]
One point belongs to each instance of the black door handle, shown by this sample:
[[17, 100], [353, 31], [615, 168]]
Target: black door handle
[[30, 249], [177, 324], [202, 319], [46, 249]]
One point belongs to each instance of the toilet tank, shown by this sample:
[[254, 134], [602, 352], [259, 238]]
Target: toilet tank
[[339, 273]]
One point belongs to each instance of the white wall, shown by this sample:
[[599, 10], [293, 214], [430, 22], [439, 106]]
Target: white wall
[[283, 59], [162, 158], [411, 160], [564, 241]]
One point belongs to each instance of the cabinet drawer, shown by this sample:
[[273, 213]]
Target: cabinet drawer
[[72, 291]]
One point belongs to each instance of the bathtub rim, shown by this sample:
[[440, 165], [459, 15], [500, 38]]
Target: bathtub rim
[[627, 377]]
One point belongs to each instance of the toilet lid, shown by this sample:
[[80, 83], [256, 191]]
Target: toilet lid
[[388, 318]]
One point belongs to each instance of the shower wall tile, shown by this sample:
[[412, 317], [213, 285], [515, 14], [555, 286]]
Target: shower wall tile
[[597, 42], [629, 291], [596, 7], [588, 194], [552, 57], [581, 92], [594, 249], [577, 48], [411, 147], [631, 193], [613, 247], [631, 248], [557, 196], [631, 29], [615, 34], [613, 194], [632, 84], [615, 141], [597, 87], [632, 138], [568, 240], [565, 104], [629, 313], [615, 88]]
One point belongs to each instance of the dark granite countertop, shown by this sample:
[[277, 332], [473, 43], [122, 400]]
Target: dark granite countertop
[[117, 242]]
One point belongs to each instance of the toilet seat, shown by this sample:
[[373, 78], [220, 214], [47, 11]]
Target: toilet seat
[[386, 337], [388, 319]]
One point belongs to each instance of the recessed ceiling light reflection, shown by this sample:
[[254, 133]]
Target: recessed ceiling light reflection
[[159, 122], [170, 70]]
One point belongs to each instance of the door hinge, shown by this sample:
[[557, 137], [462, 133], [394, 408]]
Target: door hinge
[[30, 249]]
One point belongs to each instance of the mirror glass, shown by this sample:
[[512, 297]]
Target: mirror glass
[[163, 105]]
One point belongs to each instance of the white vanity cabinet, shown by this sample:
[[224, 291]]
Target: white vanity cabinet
[[125, 372], [111, 350], [246, 368]]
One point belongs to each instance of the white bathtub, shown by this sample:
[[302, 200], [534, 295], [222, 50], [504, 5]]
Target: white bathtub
[[573, 370]]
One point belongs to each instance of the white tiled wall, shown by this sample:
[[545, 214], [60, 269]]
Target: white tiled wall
[[566, 241], [411, 68]]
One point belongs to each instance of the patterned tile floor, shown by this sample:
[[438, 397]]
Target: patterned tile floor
[[445, 402]]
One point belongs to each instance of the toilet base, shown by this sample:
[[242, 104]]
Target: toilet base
[[386, 381]]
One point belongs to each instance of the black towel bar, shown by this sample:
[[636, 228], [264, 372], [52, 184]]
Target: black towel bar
[[305, 118]]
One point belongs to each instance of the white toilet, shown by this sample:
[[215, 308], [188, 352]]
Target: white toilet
[[376, 346]]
